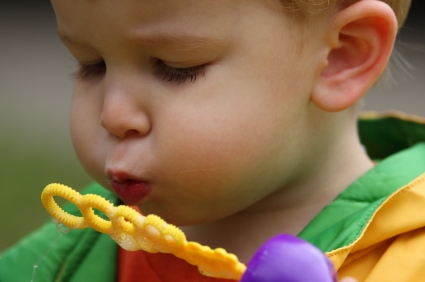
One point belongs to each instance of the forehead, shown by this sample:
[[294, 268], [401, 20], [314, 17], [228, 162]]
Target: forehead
[[133, 18], [145, 10]]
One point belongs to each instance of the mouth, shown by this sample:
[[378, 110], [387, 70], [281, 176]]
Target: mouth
[[130, 190]]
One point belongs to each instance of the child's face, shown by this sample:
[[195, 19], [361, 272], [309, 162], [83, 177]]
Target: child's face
[[201, 150]]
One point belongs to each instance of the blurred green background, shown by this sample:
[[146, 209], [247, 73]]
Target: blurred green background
[[35, 95]]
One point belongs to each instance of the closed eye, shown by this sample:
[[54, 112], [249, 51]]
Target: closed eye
[[90, 71], [163, 71], [178, 75]]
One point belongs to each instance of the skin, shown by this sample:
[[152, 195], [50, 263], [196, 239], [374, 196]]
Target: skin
[[242, 153]]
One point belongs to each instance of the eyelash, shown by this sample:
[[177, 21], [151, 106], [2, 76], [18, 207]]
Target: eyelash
[[87, 72], [161, 70], [178, 75]]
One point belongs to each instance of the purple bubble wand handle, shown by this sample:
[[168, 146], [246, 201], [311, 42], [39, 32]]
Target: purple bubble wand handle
[[286, 258]]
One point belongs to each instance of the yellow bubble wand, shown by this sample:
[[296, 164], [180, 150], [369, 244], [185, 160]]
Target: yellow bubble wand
[[133, 231]]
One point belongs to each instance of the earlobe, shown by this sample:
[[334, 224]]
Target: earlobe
[[360, 44]]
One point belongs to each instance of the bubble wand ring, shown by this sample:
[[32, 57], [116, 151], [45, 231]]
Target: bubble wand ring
[[132, 231]]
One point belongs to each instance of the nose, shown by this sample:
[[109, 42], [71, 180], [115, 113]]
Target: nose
[[122, 114]]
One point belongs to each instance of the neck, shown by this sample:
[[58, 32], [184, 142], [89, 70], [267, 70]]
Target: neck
[[330, 170]]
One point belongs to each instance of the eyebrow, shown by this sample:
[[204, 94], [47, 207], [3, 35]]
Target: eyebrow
[[184, 41]]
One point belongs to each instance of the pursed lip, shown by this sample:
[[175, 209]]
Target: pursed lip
[[130, 189]]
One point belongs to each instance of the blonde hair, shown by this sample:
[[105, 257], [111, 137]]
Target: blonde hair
[[306, 9]]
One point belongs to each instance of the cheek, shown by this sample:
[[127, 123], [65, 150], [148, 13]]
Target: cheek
[[221, 148], [227, 161], [84, 131]]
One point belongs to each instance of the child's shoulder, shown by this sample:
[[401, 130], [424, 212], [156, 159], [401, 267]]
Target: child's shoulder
[[50, 253], [375, 228], [384, 134]]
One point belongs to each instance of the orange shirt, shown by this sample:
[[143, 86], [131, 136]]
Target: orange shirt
[[159, 267]]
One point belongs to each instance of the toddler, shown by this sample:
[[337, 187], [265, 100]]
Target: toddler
[[236, 120]]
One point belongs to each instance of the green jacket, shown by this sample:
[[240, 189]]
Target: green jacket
[[86, 255]]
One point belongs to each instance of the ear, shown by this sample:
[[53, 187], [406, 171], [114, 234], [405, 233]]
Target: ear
[[360, 42]]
